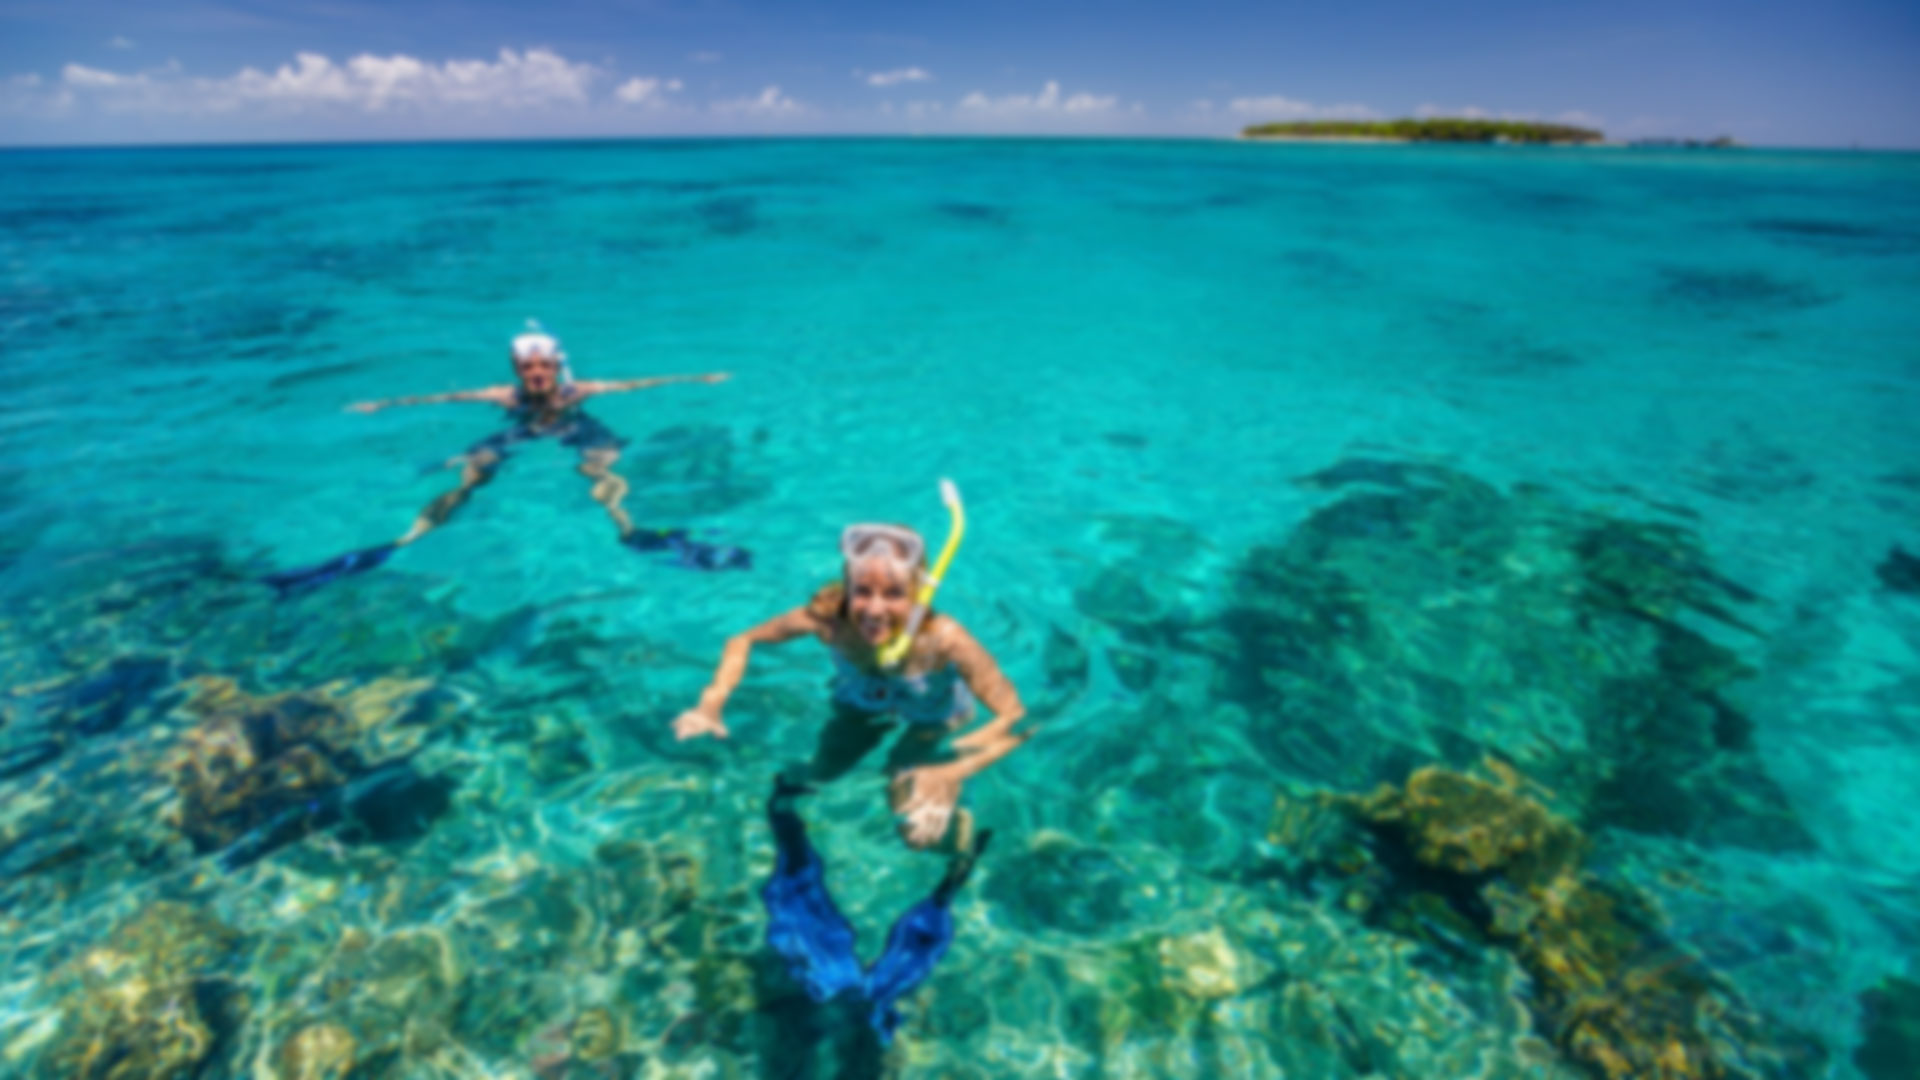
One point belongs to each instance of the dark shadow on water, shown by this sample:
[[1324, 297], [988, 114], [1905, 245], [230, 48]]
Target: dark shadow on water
[[800, 1039], [730, 215], [975, 213], [1837, 237], [1737, 292]]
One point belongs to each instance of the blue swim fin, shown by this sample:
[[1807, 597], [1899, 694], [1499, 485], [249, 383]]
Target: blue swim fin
[[312, 577], [688, 552], [916, 943], [803, 925]]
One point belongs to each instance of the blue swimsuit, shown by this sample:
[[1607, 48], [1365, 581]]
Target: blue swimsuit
[[939, 697], [569, 423]]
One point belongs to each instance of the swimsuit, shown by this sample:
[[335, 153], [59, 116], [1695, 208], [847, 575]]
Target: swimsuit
[[570, 424], [937, 698]]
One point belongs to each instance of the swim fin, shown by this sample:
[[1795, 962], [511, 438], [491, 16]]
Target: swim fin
[[688, 552], [808, 931], [803, 924], [312, 577], [916, 943]]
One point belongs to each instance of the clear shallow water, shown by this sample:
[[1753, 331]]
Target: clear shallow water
[[1128, 355]]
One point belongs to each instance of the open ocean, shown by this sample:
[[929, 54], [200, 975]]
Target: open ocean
[[1575, 494]]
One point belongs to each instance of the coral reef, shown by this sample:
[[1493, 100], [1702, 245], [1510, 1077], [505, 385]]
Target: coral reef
[[1608, 988], [144, 1004], [1426, 615], [581, 905], [276, 765]]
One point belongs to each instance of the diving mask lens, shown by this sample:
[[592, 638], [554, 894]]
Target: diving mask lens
[[892, 542]]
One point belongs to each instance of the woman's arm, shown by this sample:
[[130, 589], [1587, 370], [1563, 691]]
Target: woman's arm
[[591, 387], [995, 739], [497, 395], [926, 798], [704, 718]]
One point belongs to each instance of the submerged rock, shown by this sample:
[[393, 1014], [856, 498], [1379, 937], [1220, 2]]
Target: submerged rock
[[266, 770], [1608, 988], [1060, 885], [1899, 571], [136, 1006], [1203, 966], [1890, 1044], [1426, 616], [317, 1052]]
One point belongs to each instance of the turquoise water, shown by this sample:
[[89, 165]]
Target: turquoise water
[[1290, 470]]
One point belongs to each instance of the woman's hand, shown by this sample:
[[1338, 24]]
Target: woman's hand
[[718, 377], [367, 406], [696, 722], [924, 800]]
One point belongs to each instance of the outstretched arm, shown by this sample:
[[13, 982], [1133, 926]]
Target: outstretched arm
[[496, 395], [704, 718], [591, 387]]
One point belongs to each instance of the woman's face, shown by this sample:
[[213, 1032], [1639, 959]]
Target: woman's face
[[538, 374], [879, 599]]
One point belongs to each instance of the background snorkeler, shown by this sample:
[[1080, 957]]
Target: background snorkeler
[[927, 696], [545, 402]]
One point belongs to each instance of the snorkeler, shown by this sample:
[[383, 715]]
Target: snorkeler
[[898, 666], [545, 403]]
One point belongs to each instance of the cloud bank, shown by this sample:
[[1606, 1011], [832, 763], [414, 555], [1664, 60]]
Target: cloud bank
[[898, 76], [1048, 102], [366, 83], [769, 102], [1281, 107]]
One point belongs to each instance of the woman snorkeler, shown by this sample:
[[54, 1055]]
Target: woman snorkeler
[[898, 666]]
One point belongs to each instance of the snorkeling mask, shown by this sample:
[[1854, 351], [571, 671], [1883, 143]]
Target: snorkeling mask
[[536, 343]]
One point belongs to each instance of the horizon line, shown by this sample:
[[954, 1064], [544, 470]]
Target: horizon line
[[1236, 137]]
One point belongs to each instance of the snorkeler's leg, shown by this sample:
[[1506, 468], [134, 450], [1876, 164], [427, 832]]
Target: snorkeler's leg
[[609, 487], [803, 924], [477, 468], [916, 942], [920, 746], [848, 737]]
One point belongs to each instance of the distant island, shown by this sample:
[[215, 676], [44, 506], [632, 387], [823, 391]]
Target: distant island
[[1437, 129], [1723, 142]]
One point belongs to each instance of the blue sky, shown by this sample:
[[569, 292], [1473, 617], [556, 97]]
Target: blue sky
[[91, 71]]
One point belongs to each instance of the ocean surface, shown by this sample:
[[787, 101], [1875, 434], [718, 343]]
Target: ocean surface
[[1465, 598]]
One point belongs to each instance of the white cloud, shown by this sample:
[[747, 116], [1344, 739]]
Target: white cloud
[[28, 80], [537, 77], [84, 77], [770, 102], [1047, 102], [120, 42], [1428, 111], [647, 90], [1280, 107], [897, 76]]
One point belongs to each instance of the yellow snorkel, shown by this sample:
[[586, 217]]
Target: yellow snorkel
[[894, 652]]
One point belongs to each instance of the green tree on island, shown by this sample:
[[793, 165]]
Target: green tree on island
[[1436, 129]]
